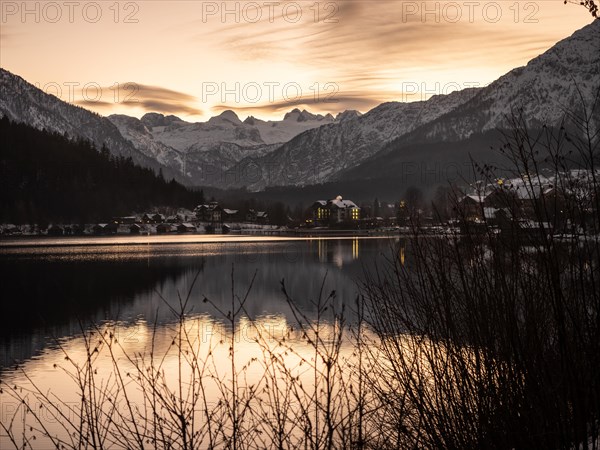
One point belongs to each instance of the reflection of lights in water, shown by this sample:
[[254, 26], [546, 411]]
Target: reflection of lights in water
[[401, 255], [338, 256], [322, 250], [339, 252]]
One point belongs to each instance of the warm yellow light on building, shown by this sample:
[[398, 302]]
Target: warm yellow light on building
[[322, 213]]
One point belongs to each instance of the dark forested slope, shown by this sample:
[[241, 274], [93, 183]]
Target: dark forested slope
[[47, 177]]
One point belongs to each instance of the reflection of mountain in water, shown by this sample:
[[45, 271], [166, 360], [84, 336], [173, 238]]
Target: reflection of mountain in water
[[48, 293], [49, 297]]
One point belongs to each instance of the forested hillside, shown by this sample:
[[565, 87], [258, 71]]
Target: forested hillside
[[46, 177]]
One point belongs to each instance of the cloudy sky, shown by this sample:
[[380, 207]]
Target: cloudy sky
[[196, 58]]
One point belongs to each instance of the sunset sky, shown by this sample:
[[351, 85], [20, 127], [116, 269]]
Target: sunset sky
[[264, 58]]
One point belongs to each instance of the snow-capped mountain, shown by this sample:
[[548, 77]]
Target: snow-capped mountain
[[545, 88], [317, 155], [205, 150], [191, 152], [22, 102], [348, 114], [306, 148], [548, 87], [138, 135]]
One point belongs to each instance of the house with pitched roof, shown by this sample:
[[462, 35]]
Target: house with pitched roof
[[335, 211]]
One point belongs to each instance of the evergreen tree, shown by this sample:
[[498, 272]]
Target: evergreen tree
[[48, 178]]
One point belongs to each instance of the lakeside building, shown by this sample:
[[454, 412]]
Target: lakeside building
[[335, 211]]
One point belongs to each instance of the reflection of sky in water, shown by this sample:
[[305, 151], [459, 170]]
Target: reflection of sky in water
[[210, 339], [61, 284], [130, 289]]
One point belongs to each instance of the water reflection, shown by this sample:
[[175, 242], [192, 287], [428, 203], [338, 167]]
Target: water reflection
[[193, 362], [59, 299], [52, 292], [339, 252]]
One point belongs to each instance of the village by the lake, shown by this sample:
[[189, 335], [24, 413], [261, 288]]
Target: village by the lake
[[501, 204]]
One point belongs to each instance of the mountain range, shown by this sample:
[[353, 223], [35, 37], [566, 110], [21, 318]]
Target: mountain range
[[305, 149], [203, 148], [22, 102], [434, 132]]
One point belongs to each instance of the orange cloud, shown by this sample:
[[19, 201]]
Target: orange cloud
[[150, 98]]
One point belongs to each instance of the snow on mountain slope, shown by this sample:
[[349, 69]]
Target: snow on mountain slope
[[293, 123], [187, 151], [316, 155], [224, 128], [349, 114], [142, 139], [305, 148], [550, 83], [547, 87], [22, 102], [204, 150]]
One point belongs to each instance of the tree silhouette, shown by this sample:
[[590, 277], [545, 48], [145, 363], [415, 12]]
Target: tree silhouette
[[590, 5], [49, 178]]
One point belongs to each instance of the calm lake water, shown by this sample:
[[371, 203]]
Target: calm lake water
[[53, 288], [55, 291]]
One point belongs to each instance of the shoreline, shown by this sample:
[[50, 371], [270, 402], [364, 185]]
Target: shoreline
[[179, 239]]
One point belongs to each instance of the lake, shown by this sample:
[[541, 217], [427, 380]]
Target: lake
[[50, 285], [57, 290]]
